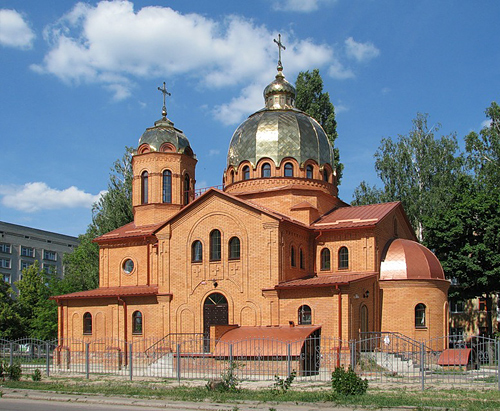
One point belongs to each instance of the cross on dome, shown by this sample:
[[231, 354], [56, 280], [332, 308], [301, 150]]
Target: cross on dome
[[165, 94], [280, 46]]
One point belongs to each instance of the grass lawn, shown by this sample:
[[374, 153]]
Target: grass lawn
[[451, 399]]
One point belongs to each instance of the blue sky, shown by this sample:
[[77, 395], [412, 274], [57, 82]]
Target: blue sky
[[78, 83]]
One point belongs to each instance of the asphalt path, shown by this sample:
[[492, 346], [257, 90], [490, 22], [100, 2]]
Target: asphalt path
[[10, 404]]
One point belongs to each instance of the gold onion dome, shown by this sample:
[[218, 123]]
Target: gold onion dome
[[279, 131], [164, 134]]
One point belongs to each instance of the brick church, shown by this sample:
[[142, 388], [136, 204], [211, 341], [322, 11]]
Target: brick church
[[274, 251]]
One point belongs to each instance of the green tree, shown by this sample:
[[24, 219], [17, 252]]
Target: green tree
[[311, 99], [416, 169], [113, 210], [38, 313], [10, 321]]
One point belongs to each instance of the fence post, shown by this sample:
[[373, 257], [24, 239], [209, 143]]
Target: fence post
[[11, 355], [498, 362], [178, 354], [87, 360], [47, 355], [230, 356], [130, 362], [288, 360], [422, 365], [353, 353]]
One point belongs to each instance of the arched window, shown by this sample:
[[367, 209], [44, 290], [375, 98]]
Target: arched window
[[420, 315], [137, 322], [167, 187], [144, 187], [234, 248], [232, 176], [196, 252], [266, 170], [292, 256], [302, 263], [309, 171], [187, 188], [325, 259], [288, 170], [343, 258], [305, 316], [246, 173], [325, 175], [87, 323], [215, 248]]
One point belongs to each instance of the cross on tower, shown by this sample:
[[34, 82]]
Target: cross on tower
[[165, 94], [280, 46]]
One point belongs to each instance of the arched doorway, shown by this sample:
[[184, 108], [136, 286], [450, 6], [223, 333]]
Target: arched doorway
[[215, 312]]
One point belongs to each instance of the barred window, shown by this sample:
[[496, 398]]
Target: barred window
[[343, 258], [234, 248], [196, 252], [137, 322], [325, 259], [215, 245], [87, 323]]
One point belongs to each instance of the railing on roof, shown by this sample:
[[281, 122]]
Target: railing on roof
[[194, 194]]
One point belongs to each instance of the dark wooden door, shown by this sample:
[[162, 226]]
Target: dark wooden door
[[215, 312]]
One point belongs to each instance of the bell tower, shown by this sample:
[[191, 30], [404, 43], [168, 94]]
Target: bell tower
[[164, 171]]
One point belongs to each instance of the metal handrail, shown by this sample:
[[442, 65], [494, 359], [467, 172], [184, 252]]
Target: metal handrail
[[169, 337]]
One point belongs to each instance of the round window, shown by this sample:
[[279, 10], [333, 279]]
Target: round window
[[128, 266]]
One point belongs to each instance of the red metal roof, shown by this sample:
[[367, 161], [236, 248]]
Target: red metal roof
[[324, 281], [407, 259], [458, 356], [355, 217], [103, 292], [264, 341], [128, 231]]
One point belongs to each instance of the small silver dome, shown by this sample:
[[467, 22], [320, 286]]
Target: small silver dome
[[165, 132]]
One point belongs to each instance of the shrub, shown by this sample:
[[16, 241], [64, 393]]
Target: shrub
[[347, 382], [281, 385], [37, 375], [228, 381], [13, 372]]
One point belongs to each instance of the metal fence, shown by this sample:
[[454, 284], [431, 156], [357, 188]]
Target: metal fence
[[378, 357]]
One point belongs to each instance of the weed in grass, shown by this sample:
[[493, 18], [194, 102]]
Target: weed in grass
[[347, 382], [12, 372], [281, 385], [228, 381], [37, 375]]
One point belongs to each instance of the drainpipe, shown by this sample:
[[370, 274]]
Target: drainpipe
[[148, 279], [316, 250], [124, 328]]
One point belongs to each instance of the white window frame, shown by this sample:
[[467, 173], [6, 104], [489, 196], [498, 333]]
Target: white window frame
[[23, 253]]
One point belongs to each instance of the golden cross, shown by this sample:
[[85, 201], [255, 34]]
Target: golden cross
[[165, 93], [280, 46]]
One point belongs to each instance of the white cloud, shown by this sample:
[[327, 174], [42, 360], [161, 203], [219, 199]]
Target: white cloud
[[37, 196], [14, 30], [213, 152], [361, 51], [339, 72], [486, 123], [301, 6]]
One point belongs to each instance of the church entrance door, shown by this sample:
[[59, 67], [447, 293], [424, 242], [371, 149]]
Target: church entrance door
[[215, 312]]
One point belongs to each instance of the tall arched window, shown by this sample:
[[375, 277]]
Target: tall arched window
[[325, 259], [144, 187], [246, 173], [87, 323], [187, 188], [288, 170], [232, 176], [137, 322], [266, 170], [343, 258], [167, 187], [196, 252], [309, 171], [234, 248], [302, 263], [420, 315], [326, 175], [215, 245], [305, 316], [292, 256]]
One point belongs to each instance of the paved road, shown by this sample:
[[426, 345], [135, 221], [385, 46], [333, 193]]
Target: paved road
[[11, 404]]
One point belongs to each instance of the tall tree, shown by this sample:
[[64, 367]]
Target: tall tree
[[10, 321], [111, 211], [416, 169], [38, 313], [311, 99]]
